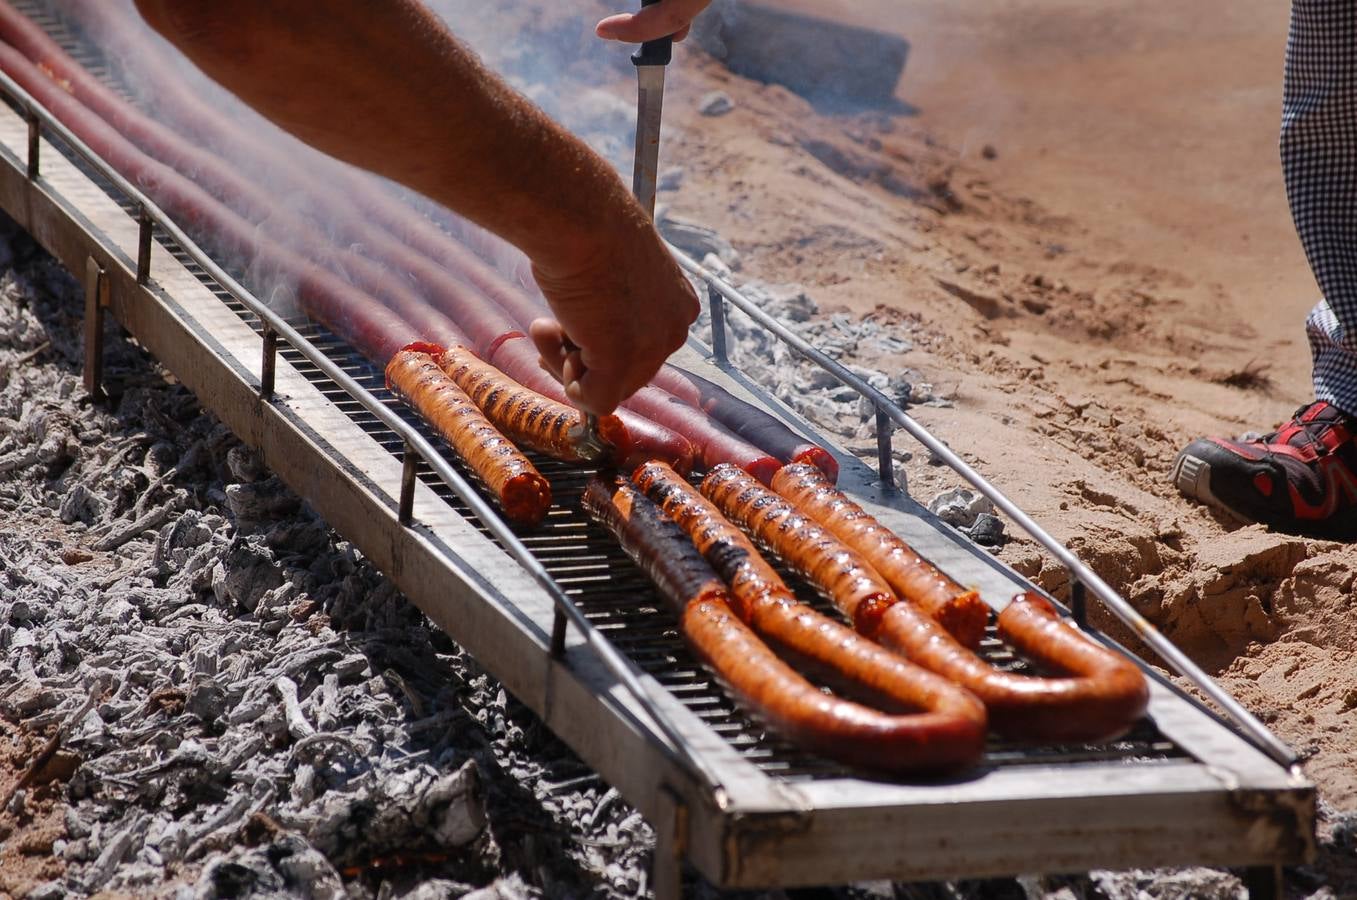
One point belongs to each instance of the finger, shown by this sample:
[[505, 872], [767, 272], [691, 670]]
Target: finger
[[651, 22], [574, 368], [595, 392], [549, 338]]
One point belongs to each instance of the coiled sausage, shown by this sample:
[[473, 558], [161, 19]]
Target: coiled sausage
[[1100, 697], [942, 739]]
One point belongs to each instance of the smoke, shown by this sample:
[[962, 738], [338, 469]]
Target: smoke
[[548, 52]]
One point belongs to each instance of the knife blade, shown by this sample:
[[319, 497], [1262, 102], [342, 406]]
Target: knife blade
[[650, 61]]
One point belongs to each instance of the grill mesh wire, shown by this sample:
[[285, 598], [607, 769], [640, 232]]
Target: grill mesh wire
[[614, 594]]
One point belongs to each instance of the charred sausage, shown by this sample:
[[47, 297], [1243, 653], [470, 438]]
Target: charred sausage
[[764, 602], [414, 376], [1100, 696], [518, 358], [525, 416], [940, 739], [912, 577]]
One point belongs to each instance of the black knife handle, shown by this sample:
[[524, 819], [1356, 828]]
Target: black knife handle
[[654, 53]]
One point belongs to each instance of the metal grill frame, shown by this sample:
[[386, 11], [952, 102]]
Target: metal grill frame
[[1227, 804]]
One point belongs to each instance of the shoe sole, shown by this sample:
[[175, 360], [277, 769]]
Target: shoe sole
[[1192, 477]]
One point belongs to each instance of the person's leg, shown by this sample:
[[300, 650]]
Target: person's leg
[[1303, 477], [1319, 162]]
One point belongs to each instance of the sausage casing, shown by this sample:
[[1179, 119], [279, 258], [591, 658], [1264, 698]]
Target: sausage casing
[[525, 416], [414, 376]]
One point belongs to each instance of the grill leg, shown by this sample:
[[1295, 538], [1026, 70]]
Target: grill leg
[[96, 301], [671, 832], [1264, 882]]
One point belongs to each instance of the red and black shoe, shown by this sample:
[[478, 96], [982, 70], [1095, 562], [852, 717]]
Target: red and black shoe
[[1300, 479]]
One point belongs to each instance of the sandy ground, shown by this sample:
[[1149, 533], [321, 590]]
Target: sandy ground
[[1091, 284]]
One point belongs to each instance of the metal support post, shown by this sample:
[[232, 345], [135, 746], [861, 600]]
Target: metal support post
[[885, 460], [671, 844], [407, 501], [34, 143], [268, 368], [716, 305], [1078, 601], [558, 628], [144, 229], [1264, 882], [96, 301]]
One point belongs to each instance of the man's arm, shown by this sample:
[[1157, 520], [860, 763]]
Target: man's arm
[[388, 88]]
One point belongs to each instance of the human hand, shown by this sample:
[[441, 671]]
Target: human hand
[[659, 20], [621, 310]]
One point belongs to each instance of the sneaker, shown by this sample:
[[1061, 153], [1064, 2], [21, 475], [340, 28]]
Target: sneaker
[[1300, 479]]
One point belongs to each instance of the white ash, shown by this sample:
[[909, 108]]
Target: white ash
[[960, 507]]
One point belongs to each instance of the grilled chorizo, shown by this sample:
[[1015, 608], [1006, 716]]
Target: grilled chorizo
[[518, 358], [910, 576], [414, 376], [525, 416], [768, 688], [765, 603], [1100, 697]]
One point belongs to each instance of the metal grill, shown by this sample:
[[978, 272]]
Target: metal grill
[[614, 593], [801, 820]]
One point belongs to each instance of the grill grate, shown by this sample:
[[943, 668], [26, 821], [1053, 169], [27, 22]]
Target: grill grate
[[614, 594]]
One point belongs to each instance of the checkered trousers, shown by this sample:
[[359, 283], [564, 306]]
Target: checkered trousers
[[1319, 161]]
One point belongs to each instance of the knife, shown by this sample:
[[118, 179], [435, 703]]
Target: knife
[[649, 61]]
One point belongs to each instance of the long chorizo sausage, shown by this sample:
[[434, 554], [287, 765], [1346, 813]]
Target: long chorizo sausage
[[414, 376], [912, 577], [765, 603], [526, 417], [1102, 695], [746, 420], [518, 358], [931, 741]]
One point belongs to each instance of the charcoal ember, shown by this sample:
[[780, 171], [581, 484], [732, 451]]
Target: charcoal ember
[[179, 539], [417, 808], [285, 867], [244, 464], [511, 888], [245, 573], [987, 530], [960, 507], [80, 505], [205, 698], [261, 502]]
